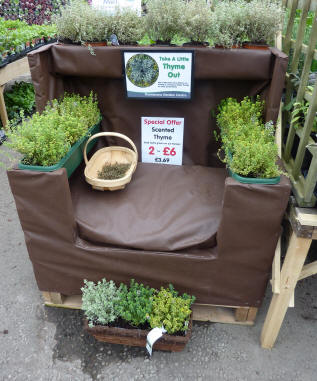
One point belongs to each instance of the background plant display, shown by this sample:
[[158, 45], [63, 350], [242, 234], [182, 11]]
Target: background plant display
[[247, 142], [31, 11], [138, 306], [17, 38]]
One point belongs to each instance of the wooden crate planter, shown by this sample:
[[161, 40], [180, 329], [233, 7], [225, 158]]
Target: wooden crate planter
[[137, 337]]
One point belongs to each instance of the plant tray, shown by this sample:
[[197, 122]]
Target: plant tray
[[72, 159], [137, 337], [252, 180]]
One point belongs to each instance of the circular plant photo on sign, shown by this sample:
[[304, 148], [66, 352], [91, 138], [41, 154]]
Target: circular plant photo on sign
[[142, 70]]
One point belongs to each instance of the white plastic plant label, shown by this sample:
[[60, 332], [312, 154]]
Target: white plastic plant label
[[152, 337], [111, 5], [162, 140]]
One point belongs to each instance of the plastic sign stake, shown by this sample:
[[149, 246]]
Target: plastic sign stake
[[162, 140], [152, 337]]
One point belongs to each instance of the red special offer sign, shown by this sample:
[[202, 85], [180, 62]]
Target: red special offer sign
[[162, 140]]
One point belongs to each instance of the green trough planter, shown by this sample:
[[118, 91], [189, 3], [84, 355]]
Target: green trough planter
[[254, 180], [72, 159]]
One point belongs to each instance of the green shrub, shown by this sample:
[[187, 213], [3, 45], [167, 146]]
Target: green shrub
[[163, 19], [170, 310], [127, 26], [247, 142], [45, 139], [100, 302], [195, 23], [135, 303]]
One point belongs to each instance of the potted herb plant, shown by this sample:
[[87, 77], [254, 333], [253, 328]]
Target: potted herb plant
[[127, 26], [228, 24], [263, 19], [195, 23], [124, 315], [248, 143], [55, 138], [163, 20], [79, 23]]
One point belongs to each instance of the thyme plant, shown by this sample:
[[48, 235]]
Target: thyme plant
[[142, 70], [195, 22], [100, 302], [127, 26], [135, 304], [163, 19], [170, 310], [247, 142]]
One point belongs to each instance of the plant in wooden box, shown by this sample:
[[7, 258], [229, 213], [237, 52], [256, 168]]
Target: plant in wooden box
[[163, 20], [248, 143], [195, 22], [127, 26], [124, 315], [79, 23], [55, 138], [263, 19]]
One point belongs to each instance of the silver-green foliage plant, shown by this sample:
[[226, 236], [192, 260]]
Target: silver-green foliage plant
[[127, 26], [45, 138], [196, 21], [247, 142], [228, 23], [100, 302], [80, 23], [163, 19], [263, 19]]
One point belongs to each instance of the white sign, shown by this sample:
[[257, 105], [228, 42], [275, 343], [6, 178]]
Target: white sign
[[162, 140], [112, 5], [158, 74]]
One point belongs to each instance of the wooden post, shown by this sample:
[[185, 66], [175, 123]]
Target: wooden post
[[3, 110], [291, 270]]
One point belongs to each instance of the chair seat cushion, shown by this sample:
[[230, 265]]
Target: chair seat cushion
[[164, 208]]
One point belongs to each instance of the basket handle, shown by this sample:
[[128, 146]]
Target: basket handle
[[117, 134]]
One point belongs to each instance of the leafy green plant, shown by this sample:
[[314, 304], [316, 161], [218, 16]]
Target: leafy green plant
[[135, 304], [20, 97], [127, 26], [247, 142], [299, 114], [170, 310], [195, 23], [100, 302], [163, 19], [45, 138]]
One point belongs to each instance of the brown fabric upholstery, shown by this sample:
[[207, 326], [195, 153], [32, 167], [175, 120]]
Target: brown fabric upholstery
[[73, 232], [235, 272], [164, 208]]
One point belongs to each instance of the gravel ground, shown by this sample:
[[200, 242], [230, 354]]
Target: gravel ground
[[42, 343]]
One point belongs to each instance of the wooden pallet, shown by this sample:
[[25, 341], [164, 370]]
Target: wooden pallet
[[8, 73], [201, 312]]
